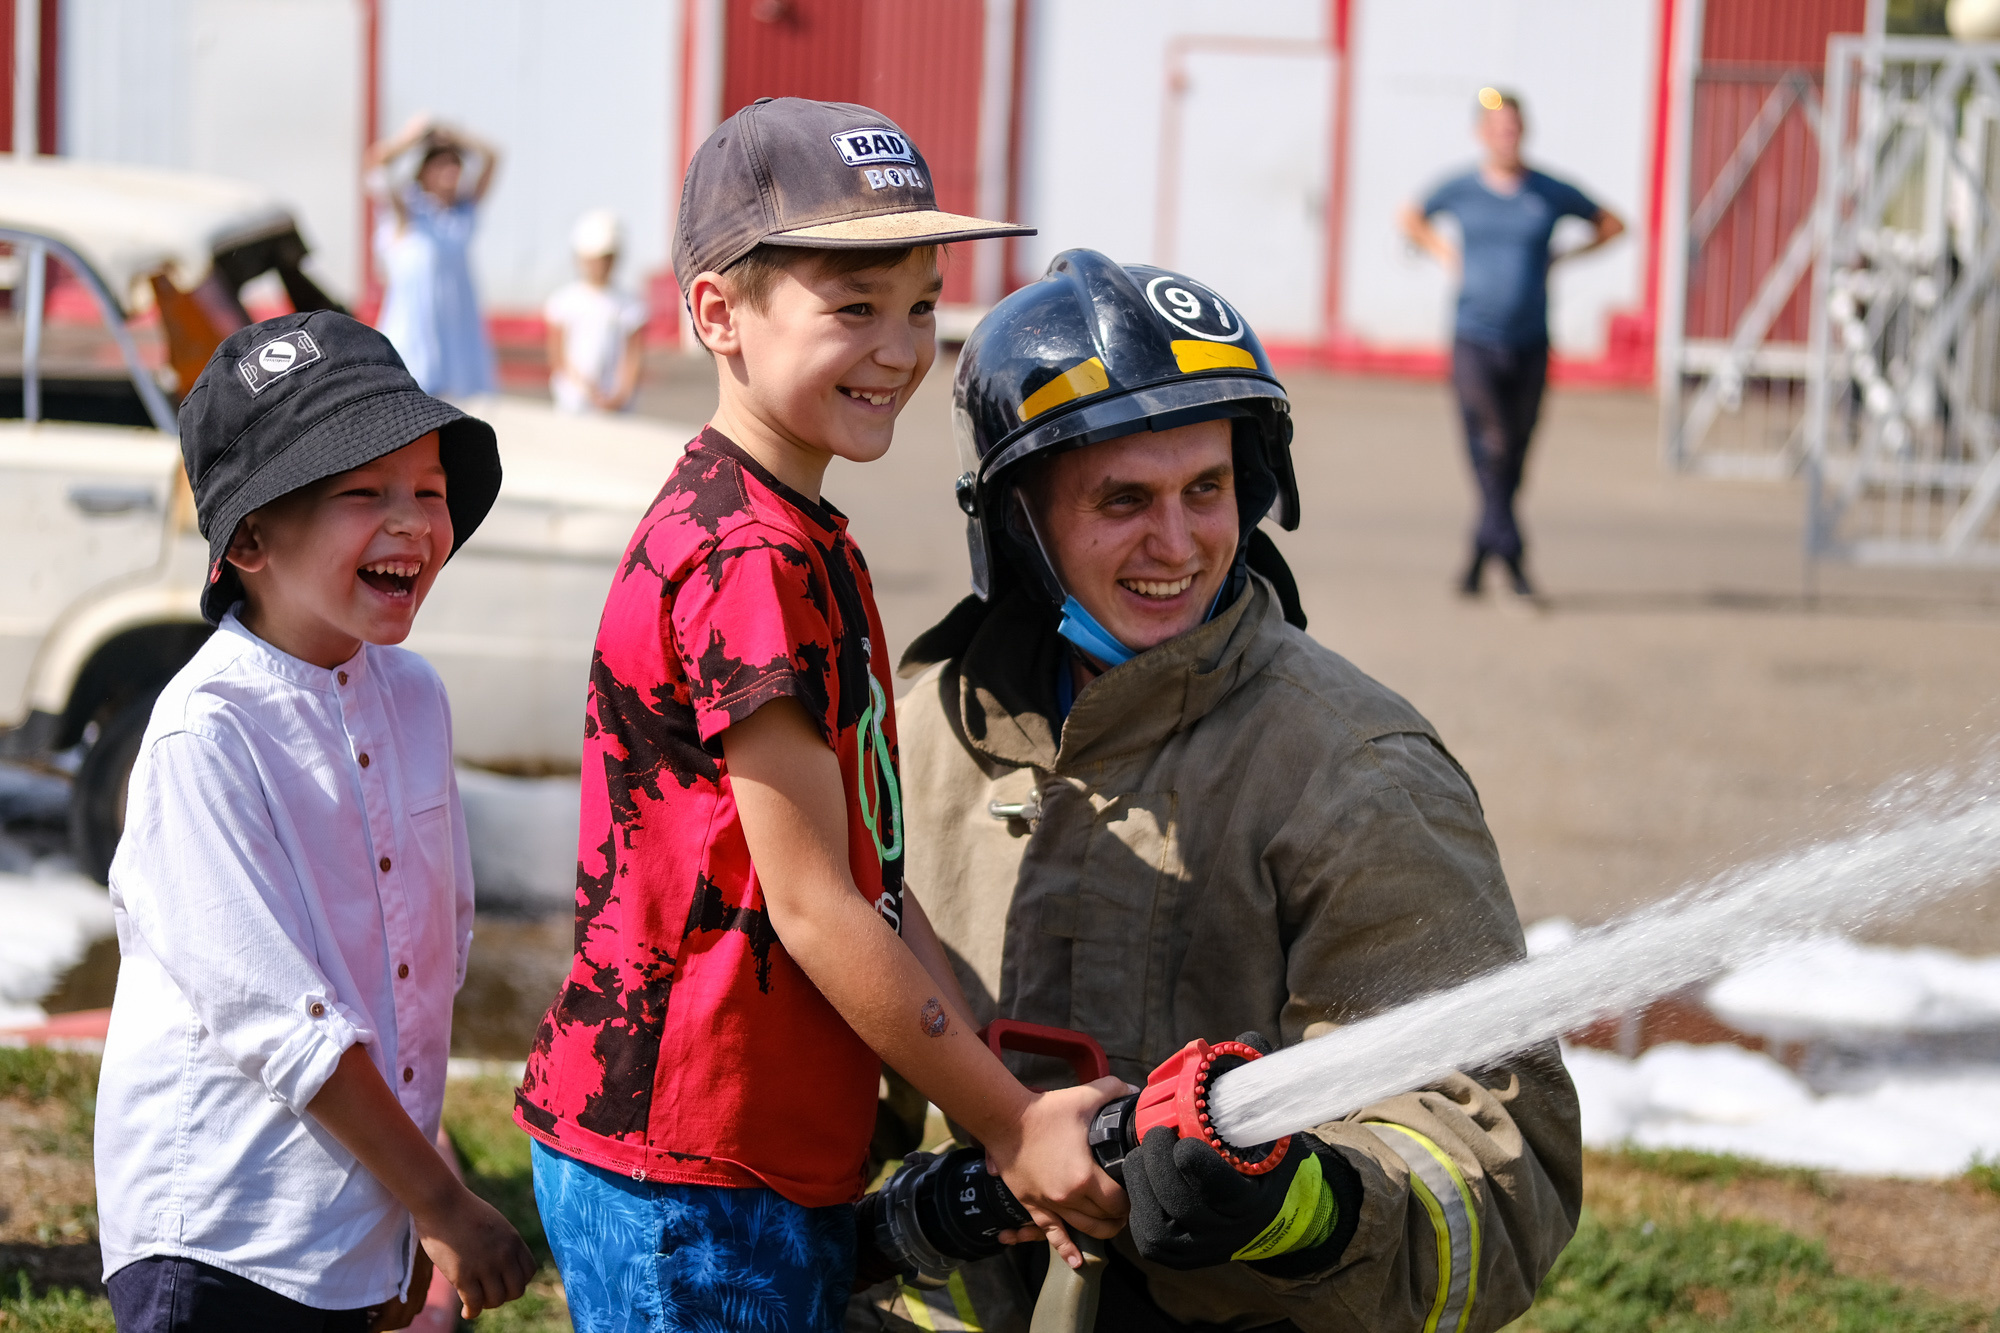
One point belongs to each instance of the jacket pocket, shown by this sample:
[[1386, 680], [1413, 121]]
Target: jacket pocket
[[1124, 920]]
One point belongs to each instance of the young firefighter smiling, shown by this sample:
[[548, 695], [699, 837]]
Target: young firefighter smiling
[[293, 890], [702, 1092], [1145, 805]]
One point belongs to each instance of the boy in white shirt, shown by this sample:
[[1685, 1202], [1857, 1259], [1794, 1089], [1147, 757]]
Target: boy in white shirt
[[596, 332], [293, 891]]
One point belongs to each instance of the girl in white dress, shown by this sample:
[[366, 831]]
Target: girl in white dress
[[429, 308]]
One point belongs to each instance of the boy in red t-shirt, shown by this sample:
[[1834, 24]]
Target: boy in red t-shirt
[[703, 1090]]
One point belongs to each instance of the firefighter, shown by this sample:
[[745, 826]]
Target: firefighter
[[1145, 805]]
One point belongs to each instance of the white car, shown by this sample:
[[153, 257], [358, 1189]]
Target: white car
[[104, 565]]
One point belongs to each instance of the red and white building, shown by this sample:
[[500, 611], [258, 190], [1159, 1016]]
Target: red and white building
[[1264, 148]]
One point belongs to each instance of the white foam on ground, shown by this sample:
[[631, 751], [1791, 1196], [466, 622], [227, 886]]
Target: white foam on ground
[[48, 918], [1724, 1099], [1926, 839], [523, 835], [1835, 985]]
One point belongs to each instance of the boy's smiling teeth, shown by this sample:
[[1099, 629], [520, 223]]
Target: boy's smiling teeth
[[879, 397], [1152, 588], [394, 578]]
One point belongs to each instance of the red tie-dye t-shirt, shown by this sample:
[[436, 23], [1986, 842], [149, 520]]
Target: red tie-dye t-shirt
[[685, 1045]]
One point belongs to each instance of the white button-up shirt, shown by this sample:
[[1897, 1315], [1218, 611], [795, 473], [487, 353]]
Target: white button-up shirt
[[293, 879]]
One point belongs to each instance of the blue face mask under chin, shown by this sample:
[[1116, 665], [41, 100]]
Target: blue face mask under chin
[[1081, 628]]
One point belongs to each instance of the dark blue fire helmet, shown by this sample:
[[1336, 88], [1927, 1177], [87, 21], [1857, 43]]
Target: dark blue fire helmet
[[1096, 350]]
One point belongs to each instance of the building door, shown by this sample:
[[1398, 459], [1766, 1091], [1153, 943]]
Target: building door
[[919, 62], [1248, 155]]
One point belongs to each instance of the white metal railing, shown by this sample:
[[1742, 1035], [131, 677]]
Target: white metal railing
[[1709, 382], [1902, 424]]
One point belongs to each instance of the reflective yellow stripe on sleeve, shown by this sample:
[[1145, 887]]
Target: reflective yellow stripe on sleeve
[[946, 1309], [1441, 1189]]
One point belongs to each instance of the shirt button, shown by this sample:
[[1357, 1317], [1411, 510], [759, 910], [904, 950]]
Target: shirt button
[[340, 676], [402, 969], [384, 863], [364, 758], [408, 1073], [318, 1010]]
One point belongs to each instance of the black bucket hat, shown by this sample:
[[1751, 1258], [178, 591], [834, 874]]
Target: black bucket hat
[[294, 399]]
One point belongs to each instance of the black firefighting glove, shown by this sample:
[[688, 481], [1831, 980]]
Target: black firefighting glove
[[1191, 1209]]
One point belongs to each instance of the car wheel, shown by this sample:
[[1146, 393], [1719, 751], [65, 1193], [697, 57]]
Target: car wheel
[[97, 800]]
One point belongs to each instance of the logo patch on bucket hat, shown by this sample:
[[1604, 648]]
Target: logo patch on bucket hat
[[269, 362]]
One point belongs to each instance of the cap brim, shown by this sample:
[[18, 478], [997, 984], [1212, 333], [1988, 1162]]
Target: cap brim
[[919, 227]]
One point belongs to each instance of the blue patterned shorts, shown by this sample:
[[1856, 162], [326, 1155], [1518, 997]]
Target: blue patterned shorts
[[653, 1257]]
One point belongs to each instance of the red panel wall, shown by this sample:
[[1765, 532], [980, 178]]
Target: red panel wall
[[805, 48], [45, 116], [916, 61], [1747, 47], [1777, 32]]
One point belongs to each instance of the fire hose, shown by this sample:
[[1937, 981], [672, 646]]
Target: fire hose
[[942, 1210]]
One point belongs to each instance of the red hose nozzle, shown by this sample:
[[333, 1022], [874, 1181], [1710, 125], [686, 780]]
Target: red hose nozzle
[[1176, 1095]]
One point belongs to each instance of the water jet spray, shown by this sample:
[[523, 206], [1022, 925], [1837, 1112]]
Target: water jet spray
[[1932, 838]]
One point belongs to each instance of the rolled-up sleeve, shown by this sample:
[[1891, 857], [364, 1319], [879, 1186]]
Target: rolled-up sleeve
[[218, 903]]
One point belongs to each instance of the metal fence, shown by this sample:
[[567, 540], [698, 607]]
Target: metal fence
[[1733, 392], [1901, 436]]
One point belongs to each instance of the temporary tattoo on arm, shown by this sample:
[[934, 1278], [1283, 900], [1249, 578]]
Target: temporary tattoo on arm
[[931, 1018]]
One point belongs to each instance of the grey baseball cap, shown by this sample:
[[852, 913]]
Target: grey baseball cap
[[824, 175]]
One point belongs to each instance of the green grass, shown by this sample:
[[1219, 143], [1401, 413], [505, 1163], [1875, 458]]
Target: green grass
[[478, 1117], [1985, 1173], [22, 1310], [1617, 1276], [1639, 1276], [1715, 1168], [36, 1075]]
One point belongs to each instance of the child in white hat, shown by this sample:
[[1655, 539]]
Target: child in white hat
[[595, 330]]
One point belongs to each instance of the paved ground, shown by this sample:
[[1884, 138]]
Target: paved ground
[[1680, 704]]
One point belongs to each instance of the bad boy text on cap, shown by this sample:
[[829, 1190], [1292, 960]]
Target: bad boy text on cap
[[871, 143]]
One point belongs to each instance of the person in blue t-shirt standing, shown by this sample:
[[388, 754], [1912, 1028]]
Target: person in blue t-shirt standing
[[1506, 213]]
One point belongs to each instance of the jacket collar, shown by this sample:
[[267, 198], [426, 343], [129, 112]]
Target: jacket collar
[[1006, 684]]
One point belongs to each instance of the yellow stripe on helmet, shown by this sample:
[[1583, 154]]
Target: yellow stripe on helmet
[[1079, 381], [1193, 356]]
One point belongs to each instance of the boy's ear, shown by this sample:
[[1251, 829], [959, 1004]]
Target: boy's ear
[[713, 309], [247, 551]]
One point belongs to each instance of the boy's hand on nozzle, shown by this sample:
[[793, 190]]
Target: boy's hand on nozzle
[[477, 1250], [1046, 1162]]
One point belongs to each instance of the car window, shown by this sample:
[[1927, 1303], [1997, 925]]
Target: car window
[[81, 372]]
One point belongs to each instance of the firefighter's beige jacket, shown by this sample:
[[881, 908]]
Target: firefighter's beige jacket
[[1239, 830]]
